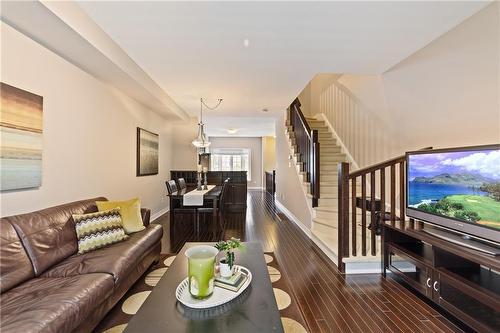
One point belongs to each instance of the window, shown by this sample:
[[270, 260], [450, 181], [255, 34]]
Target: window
[[231, 159]]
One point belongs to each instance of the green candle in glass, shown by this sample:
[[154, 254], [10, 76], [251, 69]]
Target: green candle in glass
[[201, 270]]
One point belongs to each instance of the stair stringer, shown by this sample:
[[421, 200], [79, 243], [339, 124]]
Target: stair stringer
[[294, 158]]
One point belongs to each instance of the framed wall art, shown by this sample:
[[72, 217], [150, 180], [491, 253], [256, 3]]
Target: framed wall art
[[21, 130], [147, 152]]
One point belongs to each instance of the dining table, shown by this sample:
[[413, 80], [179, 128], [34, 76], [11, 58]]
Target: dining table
[[210, 199]]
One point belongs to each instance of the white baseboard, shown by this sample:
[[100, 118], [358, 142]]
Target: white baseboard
[[308, 232], [159, 213], [329, 253], [363, 267], [293, 218]]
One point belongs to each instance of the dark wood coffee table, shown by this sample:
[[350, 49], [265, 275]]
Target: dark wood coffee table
[[255, 310]]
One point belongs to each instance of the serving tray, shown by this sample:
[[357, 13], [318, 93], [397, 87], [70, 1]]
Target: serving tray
[[219, 296]]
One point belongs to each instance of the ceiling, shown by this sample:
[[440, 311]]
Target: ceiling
[[241, 126], [65, 29], [198, 49]]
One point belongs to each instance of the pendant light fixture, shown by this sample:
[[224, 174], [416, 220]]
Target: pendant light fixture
[[201, 140]]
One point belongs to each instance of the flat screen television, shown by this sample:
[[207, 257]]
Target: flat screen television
[[458, 189]]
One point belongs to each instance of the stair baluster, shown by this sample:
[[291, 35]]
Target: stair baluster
[[372, 205], [308, 147]]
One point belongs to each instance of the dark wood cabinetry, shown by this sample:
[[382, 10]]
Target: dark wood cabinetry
[[236, 199], [410, 268], [464, 282], [237, 196], [271, 182]]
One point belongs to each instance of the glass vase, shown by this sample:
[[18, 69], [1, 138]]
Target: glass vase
[[201, 270]]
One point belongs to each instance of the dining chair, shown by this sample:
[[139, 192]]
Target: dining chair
[[181, 182], [220, 206], [176, 206], [223, 195], [171, 186]]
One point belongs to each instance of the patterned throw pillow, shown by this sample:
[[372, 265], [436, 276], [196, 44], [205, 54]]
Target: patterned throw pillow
[[97, 230]]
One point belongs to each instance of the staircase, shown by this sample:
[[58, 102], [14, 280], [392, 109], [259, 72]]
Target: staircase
[[325, 214]]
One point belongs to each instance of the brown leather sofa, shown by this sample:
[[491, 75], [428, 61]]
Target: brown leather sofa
[[47, 287]]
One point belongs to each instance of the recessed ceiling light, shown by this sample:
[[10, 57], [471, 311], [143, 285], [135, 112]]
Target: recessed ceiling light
[[265, 110], [232, 130], [246, 42]]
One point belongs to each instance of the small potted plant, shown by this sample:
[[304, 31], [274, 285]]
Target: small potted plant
[[226, 265]]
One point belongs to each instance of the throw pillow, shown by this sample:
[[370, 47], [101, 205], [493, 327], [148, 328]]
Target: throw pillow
[[97, 230], [130, 210]]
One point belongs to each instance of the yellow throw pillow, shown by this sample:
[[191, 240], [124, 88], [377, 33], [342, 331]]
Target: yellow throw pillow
[[130, 211]]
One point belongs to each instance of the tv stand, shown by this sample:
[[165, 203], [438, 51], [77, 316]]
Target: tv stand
[[463, 240], [463, 282]]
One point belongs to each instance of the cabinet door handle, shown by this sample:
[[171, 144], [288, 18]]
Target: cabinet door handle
[[428, 282], [435, 286]]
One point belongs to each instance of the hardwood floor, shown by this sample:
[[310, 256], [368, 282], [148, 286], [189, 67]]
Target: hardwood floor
[[328, 300]]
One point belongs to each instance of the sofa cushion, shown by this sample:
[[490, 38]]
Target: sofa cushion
[[53, 304], [49, 235], [98, 230], [15, 266], [117, 259], [130, 210]]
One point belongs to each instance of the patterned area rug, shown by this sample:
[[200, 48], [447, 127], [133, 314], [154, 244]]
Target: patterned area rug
[[116, 320]]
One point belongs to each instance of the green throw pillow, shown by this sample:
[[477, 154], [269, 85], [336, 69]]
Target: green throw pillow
[[130, 210], [97, 230]]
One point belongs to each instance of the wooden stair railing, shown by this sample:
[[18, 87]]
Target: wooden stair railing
[[307, 142], [347, 183]]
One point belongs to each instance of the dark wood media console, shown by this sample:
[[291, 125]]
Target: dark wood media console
[[237, 193], [462, 281]]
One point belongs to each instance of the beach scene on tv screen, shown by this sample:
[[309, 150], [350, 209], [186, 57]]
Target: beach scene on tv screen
[[461, 185]]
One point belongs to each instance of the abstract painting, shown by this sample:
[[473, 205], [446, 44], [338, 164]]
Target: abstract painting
[[147, 152], [21, 129]]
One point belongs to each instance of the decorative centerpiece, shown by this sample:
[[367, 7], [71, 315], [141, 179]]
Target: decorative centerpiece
[[198, 178], [201, 270], [205, 182], [202, 289], [226, 265]]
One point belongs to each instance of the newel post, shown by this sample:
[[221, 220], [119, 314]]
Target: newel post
[[343, 214], [315, 168]]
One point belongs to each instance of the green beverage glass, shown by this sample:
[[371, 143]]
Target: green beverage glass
[[201, 270]]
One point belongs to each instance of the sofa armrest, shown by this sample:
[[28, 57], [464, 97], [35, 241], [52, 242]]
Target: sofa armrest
[[146, 216]]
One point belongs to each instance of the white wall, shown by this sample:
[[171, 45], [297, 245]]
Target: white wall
[[305, 100], [355, 106], [309, 96], [445, 95], [89, 139], [255, 146], [268, 156], [186, 155]]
